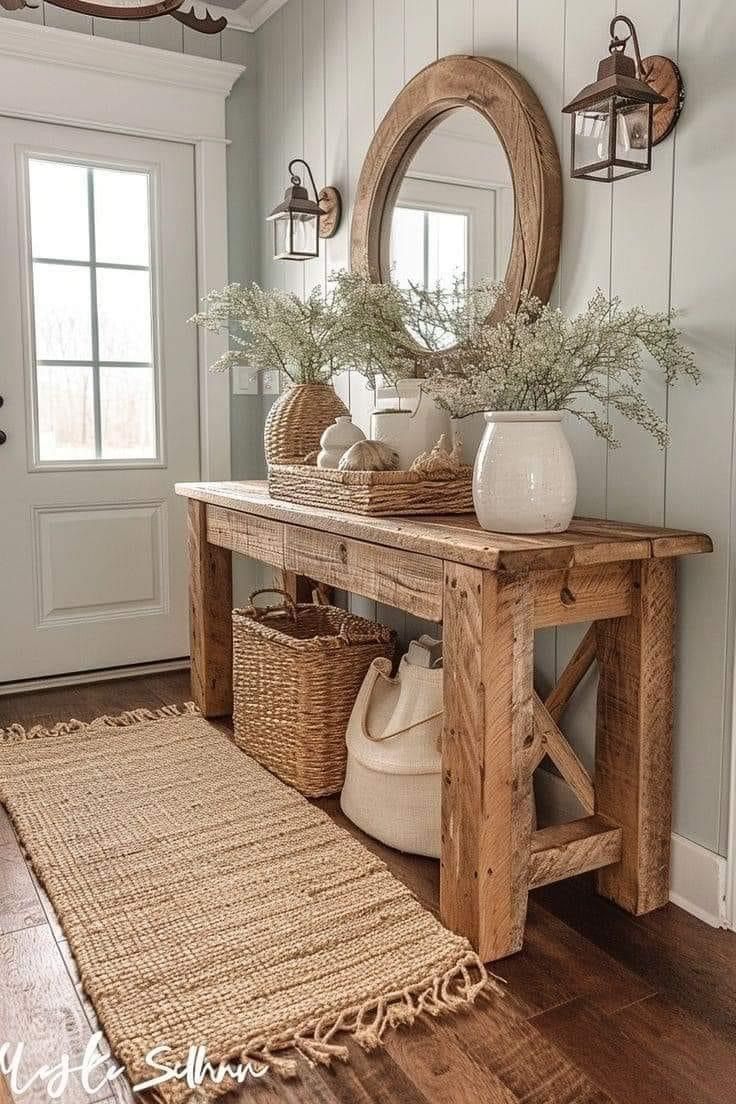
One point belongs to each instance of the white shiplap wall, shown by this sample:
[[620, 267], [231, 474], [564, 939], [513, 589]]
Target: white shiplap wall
[[328, 70]]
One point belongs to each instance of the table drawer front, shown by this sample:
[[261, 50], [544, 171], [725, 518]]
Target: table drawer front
[[581, 594], [409, 581], [250, 535]]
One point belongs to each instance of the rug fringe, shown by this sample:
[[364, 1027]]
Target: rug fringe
[[457, 988], [16, 733]]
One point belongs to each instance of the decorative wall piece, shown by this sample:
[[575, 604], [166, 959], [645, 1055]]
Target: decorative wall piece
[[504, 100], [631, 107], [133, 9], [299, 222]]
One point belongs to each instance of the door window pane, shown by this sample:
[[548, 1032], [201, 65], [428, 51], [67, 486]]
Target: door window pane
[[62, 312], [127, 396], [66, 421], [124, 314], [407, 247], [447, 235], [57, 187], [121, 217], [429, 248], [95, 370]]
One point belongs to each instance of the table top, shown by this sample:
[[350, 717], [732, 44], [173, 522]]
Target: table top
[[459, 537]]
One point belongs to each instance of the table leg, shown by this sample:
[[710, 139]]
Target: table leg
[[633, 773], [486, 788], [210, 617]]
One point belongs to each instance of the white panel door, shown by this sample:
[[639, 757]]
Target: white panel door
[[99, 385]]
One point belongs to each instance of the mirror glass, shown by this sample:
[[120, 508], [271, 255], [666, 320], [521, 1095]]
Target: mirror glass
[[453, 216]]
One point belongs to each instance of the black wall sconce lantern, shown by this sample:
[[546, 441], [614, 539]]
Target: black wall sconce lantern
[[631, 107], [299, 222]]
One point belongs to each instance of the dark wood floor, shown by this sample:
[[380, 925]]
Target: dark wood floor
[[644, 1009]]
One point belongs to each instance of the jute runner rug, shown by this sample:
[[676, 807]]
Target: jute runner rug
[[207, 904]]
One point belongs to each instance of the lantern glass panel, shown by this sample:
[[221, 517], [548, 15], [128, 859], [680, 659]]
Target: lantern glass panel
[[633, 134], [305, 235], [592, 138]]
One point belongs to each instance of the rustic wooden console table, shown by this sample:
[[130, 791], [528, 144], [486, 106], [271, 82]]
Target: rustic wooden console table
[[491, 591]]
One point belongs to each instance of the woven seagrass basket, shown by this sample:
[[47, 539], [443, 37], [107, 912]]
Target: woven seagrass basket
[[297, 670], [297, 420]]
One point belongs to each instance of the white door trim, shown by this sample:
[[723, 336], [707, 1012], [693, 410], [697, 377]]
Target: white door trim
[[62, 77], [729, 907]]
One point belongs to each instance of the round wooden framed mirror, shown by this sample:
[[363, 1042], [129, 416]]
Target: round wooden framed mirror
[[486, 104]]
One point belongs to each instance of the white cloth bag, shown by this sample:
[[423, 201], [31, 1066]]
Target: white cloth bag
[[392, 785]]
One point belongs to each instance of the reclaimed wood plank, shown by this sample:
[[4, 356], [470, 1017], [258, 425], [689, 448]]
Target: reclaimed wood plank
[[577, 667], [486, 783], [554, 744], [633, 770], [566, 850], [403, 580], [581, 594], [458, 539], [210, 617], [249, 535]]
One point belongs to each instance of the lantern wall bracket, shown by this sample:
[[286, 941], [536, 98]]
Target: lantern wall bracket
[[328, 198], [660, 73]]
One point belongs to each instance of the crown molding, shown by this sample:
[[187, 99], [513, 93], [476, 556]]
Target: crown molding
[[250, 15], [123, 59]]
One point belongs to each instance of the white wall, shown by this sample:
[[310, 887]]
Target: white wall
[[328, 70]]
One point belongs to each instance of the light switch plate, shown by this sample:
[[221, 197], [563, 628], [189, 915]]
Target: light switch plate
[[245, 380], [271, 383]]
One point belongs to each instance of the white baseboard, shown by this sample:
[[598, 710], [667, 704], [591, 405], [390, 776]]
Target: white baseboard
[[697, 875], [698, 881]]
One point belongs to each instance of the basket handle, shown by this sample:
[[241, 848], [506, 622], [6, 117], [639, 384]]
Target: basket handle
[[349, 635], [379, 670], [287, 606]]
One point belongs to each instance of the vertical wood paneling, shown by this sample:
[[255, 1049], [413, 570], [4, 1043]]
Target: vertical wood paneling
[[273, 175], [119, 29], [206, 46], [390, 34], [455, 27], [292, 127], [540, 53], [388, 54], [495, 29], [361, 115], [420, 35], [165, 34], [700, 462], [67, 20], [642, 213], [337, 249], [584, 265], [314, 117]]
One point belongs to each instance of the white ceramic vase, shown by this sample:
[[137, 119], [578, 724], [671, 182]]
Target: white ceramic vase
[[415, 427], [336, 440], [524, 477], [469, 432]]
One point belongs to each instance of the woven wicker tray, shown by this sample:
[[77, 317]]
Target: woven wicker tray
[[363, 492]]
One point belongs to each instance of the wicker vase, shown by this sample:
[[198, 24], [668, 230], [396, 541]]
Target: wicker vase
[[297, 420]]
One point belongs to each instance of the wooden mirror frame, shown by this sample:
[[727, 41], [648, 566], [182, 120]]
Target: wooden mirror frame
[[509, 105]]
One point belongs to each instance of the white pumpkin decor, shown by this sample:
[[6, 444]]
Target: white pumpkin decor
[[336, 440], [369, 456]]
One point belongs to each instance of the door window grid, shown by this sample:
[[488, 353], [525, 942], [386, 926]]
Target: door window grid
[[96, 363]]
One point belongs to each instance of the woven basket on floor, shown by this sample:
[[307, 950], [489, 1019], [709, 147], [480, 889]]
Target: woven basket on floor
[[297, 670], [297, 420]]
